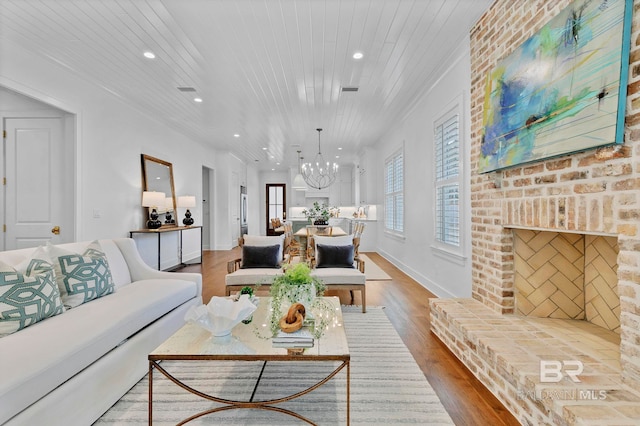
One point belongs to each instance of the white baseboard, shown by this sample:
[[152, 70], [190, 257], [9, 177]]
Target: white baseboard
[[187, 257], [417, 276]]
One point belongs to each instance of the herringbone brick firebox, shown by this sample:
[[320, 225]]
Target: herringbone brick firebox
[[566, 275], [576, 205]]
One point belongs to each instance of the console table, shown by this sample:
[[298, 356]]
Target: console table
[[160, 231]]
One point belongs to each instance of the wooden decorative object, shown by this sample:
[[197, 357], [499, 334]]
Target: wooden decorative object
[[294, 318]]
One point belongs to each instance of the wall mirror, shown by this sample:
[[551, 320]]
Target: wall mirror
[[157, 175]]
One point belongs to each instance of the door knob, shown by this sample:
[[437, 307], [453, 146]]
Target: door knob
[[55, 230]]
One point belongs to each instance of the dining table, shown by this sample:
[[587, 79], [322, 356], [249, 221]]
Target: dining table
[[310, 230], [328, 231]]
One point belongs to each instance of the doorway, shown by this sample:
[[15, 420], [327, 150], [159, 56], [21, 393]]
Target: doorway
[[235, 208], [37, 201], [244, 211], [207, 207], [276, 204]]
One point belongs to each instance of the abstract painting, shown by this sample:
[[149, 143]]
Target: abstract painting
[[563, 90]]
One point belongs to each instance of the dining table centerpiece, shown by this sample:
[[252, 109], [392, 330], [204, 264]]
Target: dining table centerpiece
[[318, 214]]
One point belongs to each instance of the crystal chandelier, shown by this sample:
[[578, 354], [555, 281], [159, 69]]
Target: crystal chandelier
[[319, 174]]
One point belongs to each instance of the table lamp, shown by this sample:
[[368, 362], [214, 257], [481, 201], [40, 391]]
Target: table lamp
[[187, 201], [153, 200]]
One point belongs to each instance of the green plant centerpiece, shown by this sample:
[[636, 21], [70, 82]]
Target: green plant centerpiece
[[297, 284], [317, 214]]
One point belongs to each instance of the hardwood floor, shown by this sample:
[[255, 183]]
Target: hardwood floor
[[406, 303]]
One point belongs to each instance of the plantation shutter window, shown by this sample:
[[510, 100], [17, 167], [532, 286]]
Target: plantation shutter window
[[447, 185], [394, 193]]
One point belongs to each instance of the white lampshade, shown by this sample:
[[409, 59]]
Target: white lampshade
[[168, 203], [298, 183], [187, 201], [153, 199]]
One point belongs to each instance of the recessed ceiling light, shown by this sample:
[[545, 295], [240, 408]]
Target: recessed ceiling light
[[149, 55], [340, 149], [272, 157], [273, 170], [197, 100], [264, 148], [337, 156], [236, 135], [358, 55], [277, 164]]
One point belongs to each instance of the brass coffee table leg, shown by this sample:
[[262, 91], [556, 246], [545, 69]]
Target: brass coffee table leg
[[151, 363], [348, 392], [262, 405]]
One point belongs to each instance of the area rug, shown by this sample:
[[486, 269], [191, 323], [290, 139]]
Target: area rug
[[387, 386], [372, 271]]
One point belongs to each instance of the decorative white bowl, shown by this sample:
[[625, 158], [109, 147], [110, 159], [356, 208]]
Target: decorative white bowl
[[221, 314]]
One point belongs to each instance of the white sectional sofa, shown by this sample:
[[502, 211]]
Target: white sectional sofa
[[70, 368]]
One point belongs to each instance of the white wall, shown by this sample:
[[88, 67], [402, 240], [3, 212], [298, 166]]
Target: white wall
[[255, 189], [444, 275], [111, 135]]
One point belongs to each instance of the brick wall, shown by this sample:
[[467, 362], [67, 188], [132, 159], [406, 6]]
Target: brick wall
[[592, 192]]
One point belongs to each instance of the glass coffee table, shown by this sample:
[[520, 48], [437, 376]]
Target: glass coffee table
[[250, 342]]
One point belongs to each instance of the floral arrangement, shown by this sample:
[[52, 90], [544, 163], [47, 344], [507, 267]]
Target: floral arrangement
[[317, 211]]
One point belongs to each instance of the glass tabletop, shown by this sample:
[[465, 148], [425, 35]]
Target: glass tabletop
[[253, 341]]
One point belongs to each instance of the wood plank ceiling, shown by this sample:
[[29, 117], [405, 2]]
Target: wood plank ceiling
[[271, 71]]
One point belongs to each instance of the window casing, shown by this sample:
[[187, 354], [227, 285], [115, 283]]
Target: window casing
[[394, 193], [447, 179]]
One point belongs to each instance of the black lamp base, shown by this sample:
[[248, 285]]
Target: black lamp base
[[188, 220], [168, 219], [153, 222]]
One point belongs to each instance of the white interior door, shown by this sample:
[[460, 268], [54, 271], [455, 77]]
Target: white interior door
[[34, 190], [235, 208], [206, 209]]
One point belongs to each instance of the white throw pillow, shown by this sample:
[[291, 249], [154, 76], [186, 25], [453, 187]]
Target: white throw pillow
[[266, 240], [81, 277], [28, 293]]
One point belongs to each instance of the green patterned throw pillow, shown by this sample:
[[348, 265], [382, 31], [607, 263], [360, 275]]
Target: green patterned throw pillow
[[27, 296], [82, 277]]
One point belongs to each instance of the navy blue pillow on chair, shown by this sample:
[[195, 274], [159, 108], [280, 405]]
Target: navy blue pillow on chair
[[260, 257], [334, 256]]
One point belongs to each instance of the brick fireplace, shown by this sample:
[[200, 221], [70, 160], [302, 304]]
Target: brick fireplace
[[577, 200]]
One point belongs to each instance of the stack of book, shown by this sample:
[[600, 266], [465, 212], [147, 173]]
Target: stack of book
[[298, 339]]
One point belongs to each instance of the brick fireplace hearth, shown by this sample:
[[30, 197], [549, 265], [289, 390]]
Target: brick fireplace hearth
[[595, 193]]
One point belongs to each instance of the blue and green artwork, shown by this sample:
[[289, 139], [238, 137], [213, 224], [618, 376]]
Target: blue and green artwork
[[563, 90]]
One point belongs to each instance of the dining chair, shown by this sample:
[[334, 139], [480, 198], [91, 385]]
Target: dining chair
[[311, 231], [294, 245], [277, 226]]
